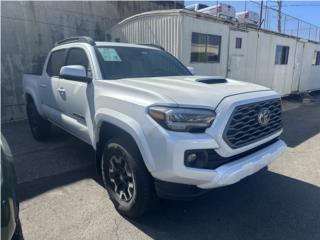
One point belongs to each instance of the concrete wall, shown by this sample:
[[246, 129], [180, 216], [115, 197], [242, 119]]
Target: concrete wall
[[30, 29]]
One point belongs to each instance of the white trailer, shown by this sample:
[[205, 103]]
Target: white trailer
[[213, 46]]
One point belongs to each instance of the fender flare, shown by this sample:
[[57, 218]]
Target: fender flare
[[130, 126], [29, 91]]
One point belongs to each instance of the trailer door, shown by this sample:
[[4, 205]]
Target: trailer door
[[297, 66], [237, 55]]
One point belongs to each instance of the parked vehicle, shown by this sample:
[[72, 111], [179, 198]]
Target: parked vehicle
[[249, 17], [156, 128], [220, 10], [196, 7], [10, 224]]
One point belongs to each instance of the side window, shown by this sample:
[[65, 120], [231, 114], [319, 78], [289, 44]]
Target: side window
[[77, 56], [282, 54], [56, 61], [316, 58]]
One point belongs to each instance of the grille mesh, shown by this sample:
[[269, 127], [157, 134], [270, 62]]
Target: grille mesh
[[243, 127]]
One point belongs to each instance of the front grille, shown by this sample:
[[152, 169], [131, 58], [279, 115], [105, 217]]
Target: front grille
[[243, 127]]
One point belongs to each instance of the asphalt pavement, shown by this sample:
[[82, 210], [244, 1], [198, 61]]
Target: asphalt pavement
[[61, 196]]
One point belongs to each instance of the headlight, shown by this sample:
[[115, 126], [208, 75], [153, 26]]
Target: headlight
[[182, 119]]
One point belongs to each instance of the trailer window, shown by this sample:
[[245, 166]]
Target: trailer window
[[238, 42], [205, 48], [282, 54], [316, 58]]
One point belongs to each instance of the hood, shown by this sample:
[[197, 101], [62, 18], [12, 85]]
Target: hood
[[191, 90]]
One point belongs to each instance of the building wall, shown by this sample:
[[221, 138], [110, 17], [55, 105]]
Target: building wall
[[254, 62], [164, 30], [191, 24], [310, 74], [30, 29]]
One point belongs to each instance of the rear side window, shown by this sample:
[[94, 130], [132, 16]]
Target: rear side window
[[77, 56], [56, 61]]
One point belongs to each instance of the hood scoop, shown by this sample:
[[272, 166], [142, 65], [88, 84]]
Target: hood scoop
[[212, 80]]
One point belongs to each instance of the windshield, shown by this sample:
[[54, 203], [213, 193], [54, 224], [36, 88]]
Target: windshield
[[130, 62]]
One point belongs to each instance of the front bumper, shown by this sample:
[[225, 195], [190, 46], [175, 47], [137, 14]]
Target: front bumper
[[226, 174], [235, 171]]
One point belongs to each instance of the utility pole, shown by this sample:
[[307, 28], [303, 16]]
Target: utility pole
[[279, 14], [261, 9]]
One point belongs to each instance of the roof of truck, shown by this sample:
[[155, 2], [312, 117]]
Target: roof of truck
[[108, 44]]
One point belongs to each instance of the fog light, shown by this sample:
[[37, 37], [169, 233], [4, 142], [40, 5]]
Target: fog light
[[196, 158], [191, 158]]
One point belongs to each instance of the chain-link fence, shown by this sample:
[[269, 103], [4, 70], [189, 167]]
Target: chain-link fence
[[274, 20]]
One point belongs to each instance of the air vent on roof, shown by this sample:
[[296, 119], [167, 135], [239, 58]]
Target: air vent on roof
[[212, 80]]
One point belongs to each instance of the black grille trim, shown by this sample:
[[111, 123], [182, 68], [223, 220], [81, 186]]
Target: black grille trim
[[243, 128]]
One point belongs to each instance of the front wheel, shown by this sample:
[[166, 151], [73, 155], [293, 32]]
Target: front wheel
[[128, 182], [40, 127]]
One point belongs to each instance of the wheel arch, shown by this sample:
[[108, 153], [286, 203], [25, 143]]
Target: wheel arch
[[110, 126], [29, 95]]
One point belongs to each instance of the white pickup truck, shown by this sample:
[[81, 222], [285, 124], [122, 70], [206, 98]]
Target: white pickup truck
[[157, 129]]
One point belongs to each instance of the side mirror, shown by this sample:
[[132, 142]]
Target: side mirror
[[191, 69], [74, 72]]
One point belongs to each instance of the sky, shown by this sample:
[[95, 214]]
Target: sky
[[306, 10]]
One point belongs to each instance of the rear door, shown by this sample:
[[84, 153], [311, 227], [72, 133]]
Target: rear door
[[73, 96], [50, 83]]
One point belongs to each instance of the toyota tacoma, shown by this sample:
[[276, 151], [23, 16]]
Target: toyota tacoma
[[157, 129]]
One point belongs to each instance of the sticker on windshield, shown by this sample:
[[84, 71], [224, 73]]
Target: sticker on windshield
[[109, 55]]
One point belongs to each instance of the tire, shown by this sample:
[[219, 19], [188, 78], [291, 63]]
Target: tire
[[18, 235], [132, 194], [40, 128]]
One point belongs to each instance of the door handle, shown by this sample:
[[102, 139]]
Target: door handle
[[43, 85], [61, 90]]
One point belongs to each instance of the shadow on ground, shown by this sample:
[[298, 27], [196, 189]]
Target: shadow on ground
[[301, 123], [264, 206]]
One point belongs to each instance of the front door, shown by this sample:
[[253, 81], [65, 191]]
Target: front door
[[73, 97]]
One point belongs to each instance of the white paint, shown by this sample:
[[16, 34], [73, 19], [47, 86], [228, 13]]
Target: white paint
[[84, 106], [254, 62]]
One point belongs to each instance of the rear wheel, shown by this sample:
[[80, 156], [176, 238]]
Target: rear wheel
[[128, 182], [40, 127]]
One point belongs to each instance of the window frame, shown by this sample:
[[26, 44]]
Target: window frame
[[89, 64], [316, 58], [206, 47], [50, 57], [286, 56], [240, 41]]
